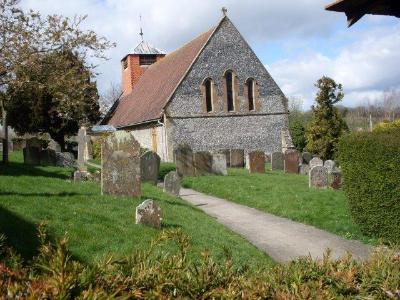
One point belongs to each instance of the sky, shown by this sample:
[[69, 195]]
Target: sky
[[297, 41]]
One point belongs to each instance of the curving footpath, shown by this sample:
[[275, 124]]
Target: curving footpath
[[282, 239]]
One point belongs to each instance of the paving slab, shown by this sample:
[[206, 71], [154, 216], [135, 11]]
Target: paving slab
[[282, 239]]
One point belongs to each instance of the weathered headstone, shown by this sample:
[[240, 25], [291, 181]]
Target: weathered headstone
[[149, 213], [336, 179], [318, 177], [257, 162], [330, 165], [227, 154], [82, 148], [304, 169], [65, 159], [120, 165], [80, 176], [237, 158], [291, 161], [54, 146], [172, 183], [306, 157], [31, 155], [277, 161], [202, 163], [219, 164], [316, 161], [149, 167], [184, 161], [48, 157]]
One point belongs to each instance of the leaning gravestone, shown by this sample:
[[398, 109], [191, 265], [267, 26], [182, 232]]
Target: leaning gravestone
[[336, 179], [306, 157], [237, 158], [318, 177], [172, 183], [202, 163], [219, 164], [316, 161], [277, 161], [120, 165], [257, 162], [48, 157], [291, 161], [184, 161], [149, 167], [304, 169], [330, 165], [149, 213]]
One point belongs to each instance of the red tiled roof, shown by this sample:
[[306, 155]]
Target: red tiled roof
[[154, 89]]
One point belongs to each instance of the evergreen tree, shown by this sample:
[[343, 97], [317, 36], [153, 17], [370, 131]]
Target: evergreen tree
[[327, 124]]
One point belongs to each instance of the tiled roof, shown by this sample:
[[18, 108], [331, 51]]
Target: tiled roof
[[154, 89], [146, 48]]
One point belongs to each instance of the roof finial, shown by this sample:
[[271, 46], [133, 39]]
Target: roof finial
[[224, 11], [141, 30]]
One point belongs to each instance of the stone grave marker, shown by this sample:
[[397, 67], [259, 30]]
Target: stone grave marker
[[184, 161], [277, 161], [336, 179], [257, 162], [149, 213], [172, 183], [149, 167], [304, 169], [202, 163], [219, 164], [48, 157], [318, 177], [31, 151], [227, 154], [291, 161], [65, 159], [237, 158], [306, 157], [82, 148], [80, 176], [120, 165], [316, 161], [330, 165]]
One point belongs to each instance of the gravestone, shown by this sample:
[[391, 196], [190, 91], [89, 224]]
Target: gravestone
[[82, 148], [306, 157], [80, 176], [277, 161], [54, 146], [172, 183], [237, 158], [48, 157], [304, 169], [336, 179], [120, 165], [227, 154], [330, 165], [219, 164], [149, 167], [316, 161], [31, 155], [318, 177], [184, 161], [65, 159], [149, 213], [202, 163], [291, 161], [257, 162]]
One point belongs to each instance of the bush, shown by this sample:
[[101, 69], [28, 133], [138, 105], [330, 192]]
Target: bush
[[371, 165], [165, 168], [157, 274], [387, 125]]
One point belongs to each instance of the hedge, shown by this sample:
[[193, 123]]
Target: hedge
[[371, 171]]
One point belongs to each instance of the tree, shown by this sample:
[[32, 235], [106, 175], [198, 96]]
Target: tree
[[109, 97], [26, 35], [55, 97], [327, 124], [297, 123]]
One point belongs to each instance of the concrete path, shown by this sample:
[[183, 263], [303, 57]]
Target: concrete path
[[280, 238]]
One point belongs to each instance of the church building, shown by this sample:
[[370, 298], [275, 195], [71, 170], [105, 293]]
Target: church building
[[213, 93]]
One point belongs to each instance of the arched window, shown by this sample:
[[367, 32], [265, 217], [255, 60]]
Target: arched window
[[230, 90], [208, 87], [250, 84]]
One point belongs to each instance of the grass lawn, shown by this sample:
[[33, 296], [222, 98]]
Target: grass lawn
[[98, 225], [286, 195]]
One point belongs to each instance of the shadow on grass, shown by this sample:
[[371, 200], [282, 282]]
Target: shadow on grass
[[20, 169], [21, 234], [62, 194]]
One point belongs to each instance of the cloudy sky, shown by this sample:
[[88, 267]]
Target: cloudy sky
[[298, 41]]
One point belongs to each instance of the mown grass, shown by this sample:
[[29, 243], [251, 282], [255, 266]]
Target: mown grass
[[98, 225], [285, 195]]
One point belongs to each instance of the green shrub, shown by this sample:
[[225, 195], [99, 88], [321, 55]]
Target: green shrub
[[387, 125], [165, 168], [157, 274], [96, 149], [371, 170]]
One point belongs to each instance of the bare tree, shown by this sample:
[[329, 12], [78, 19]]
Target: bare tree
[[109, 97]]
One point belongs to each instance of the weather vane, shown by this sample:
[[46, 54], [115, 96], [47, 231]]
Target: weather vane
[[141, 30], [224, 11]]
